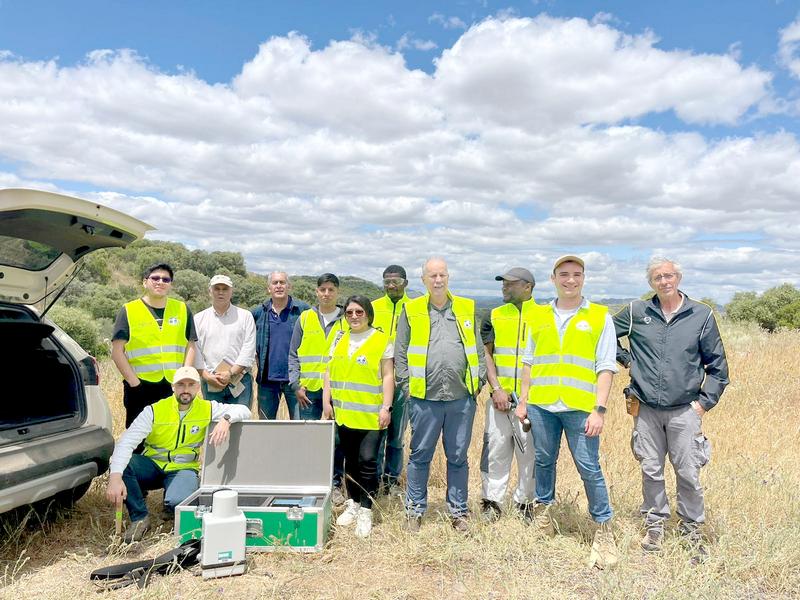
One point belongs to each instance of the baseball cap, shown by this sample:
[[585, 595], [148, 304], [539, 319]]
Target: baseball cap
[[223, 279], [186, 373], [568, 258], [517, 274]]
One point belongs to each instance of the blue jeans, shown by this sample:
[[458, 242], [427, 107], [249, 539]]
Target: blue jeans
[[269, 399], [453, 420], [226, 397], [546, 428], [312, 412], [390, 447], [143, 474]]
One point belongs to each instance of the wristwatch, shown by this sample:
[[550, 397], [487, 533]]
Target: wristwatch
[[227, 417], [601, 410]]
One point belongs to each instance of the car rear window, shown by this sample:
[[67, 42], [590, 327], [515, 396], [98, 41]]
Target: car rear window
[[26, 254]]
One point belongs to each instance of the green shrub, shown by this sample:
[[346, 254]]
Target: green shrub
[[81, 326]]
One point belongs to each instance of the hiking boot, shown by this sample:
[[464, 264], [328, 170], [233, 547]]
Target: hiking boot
[[542, 520], [337, 496], [490, 510], [653, 538], [604, 553], [364, 522], [348, 517], [460, 524], [525, 511], [136, 530], [692, 537], [413, 523]]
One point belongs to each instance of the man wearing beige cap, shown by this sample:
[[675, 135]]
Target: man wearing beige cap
[[173, 430], [226, 346], [504, 336], [569, 364]]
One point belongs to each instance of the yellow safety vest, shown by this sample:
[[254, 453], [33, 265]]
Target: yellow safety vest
[[387, 313], [420, 323], [565, 369], [511, 327], [314, 348], [356, 381], [156, 353], [174, 443]]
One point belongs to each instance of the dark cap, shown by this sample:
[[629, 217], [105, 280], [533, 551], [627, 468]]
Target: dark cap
[[517, 274]]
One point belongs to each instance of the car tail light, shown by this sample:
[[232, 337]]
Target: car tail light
[[89, 371]]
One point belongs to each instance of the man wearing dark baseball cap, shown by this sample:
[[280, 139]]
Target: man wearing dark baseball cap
[[504, 334]]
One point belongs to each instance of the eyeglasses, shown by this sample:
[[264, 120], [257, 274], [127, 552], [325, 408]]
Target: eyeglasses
[[355, 312], [158, 278], [396, 281], [665, 277]]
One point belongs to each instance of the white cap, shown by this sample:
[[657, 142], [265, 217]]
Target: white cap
[[223, 279], [186, 373], [567, 258]]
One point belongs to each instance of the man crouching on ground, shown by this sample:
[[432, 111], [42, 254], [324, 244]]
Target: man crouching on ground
[[173, 430]]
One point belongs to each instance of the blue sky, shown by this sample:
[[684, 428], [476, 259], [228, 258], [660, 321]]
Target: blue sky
[[494, 133]]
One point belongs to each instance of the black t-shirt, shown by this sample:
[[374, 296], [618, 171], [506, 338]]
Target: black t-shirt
[[487, 330], [122, 330]]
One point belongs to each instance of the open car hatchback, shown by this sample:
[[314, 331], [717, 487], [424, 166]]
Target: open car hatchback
[[55, 423]]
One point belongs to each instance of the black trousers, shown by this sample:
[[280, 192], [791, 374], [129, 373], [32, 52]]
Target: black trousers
[[144, 394], [360, 447]]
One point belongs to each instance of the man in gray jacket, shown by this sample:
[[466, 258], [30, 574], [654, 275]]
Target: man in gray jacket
[[678, 373]]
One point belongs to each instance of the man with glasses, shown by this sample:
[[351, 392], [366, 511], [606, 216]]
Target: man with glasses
[[387, 310], [504, 336], [441, 372], [678, 373], [153, 336]]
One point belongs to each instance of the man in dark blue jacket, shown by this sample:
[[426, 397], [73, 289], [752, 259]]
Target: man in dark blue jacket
[[678, 373], [275, 320]]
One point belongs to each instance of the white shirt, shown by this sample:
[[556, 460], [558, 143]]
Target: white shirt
[[143, 425], [230, 337], [605, 353]]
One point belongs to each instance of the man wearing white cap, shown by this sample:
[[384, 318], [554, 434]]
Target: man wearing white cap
[[569, 364], [504, 336], [226, 346], [173, 430]]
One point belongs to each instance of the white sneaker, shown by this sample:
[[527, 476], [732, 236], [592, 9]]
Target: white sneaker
[[364, 522], [348, 517]]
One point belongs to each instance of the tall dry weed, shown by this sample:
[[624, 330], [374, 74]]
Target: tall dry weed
[[752, 493]]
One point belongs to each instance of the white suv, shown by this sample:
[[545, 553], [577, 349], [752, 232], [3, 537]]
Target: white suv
[[55, 424]]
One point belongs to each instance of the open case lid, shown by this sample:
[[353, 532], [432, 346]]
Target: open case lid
[[272, 453]]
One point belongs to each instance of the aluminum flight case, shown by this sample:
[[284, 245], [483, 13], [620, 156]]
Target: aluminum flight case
[[282, 471]]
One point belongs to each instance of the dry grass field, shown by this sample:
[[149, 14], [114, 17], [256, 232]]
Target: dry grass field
[[752, 491]]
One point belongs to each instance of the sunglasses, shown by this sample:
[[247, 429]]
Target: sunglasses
[[355, 312], [158, 278]]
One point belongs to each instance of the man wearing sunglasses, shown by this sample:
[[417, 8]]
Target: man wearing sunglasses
[[387, 312], [678, 373], [153, 337]]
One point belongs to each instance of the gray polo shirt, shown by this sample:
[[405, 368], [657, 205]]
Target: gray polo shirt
[[446, 364]]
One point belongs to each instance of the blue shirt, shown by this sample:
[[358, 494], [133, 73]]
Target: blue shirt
[[280, 335]]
